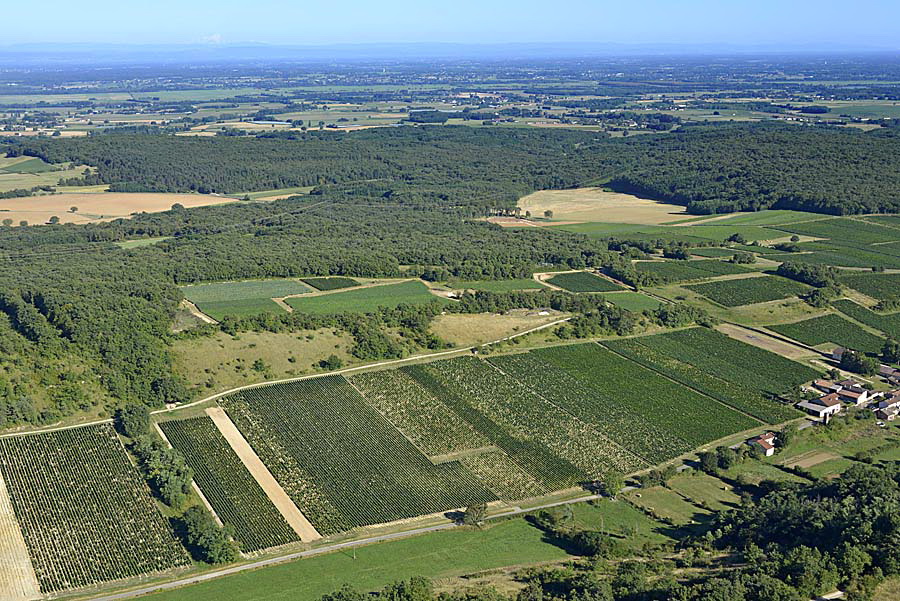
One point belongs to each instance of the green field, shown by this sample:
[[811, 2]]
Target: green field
[[830, 328], [436, 555], [888, 323], [248, 289], [140, 242], [582, 281], [250, 297], [737, 374], [682, 271], [632, 301], [367, 299], [881, 286], [747, 291], [496, 285]]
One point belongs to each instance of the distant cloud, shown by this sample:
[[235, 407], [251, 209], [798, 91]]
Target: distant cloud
[[215, 38]]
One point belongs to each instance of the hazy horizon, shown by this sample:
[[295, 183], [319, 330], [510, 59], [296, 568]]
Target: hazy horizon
[[770, 24]]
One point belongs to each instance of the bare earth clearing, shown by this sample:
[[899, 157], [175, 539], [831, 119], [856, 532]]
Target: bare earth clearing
[[809, 459], [595, 204], [103, 206], [263, 477], [764, 342], [464, 330], [17, 579]]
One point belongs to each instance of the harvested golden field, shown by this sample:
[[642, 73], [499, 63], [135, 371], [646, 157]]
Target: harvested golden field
[[595, 204], [103, 206]]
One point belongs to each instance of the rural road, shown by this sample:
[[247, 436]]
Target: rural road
[[164, 586]]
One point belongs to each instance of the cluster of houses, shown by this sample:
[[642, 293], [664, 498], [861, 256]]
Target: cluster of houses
[[835, 395]]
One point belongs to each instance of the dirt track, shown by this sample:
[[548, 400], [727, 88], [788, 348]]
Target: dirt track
[[17, 579], [263, 476]]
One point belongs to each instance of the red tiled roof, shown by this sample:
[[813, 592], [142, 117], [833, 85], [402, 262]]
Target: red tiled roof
[[829, 400]]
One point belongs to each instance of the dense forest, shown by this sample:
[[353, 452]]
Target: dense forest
[[711, 169], [85, 324]]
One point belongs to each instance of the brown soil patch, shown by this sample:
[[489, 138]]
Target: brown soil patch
[[17, 579], [263, 476], [596, 204], [101, 206], [764, 342], [809, 459]]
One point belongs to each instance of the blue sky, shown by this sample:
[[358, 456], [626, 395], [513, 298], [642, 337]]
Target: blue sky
[[744, 22]]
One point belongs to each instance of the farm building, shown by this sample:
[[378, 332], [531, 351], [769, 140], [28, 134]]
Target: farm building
[[765, 442], [887, 414], [851, 396], [890, 400], [826, 386], [889, 373], [838, 352], [822, 407]]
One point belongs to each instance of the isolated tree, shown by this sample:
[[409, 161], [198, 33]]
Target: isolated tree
[[73, 209], [331, 363], [611, 483], [23, 223], [54, 220], [858, 363], [548, 214], [7, 222], [795, 238], [474, 514]]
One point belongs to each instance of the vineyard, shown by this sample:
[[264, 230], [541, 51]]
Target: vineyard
[[230, 489], [419, 414], [748, 291], [830, 328], [738, 375], [250, 297], [693, 419], [525, 415], [85, 512], [333, 283], [583, 281], [614, 420], [550, 471], [355, 468], [881, 286], [367, 299], [393, 444], [887, 323], [682, 271], [496, 285]]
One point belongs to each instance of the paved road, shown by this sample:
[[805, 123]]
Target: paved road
[[164, 586]]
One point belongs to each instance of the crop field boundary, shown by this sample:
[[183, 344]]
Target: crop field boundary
[[680, 383], [17, 579], [194, 484], [280, 499], [218, 395]]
